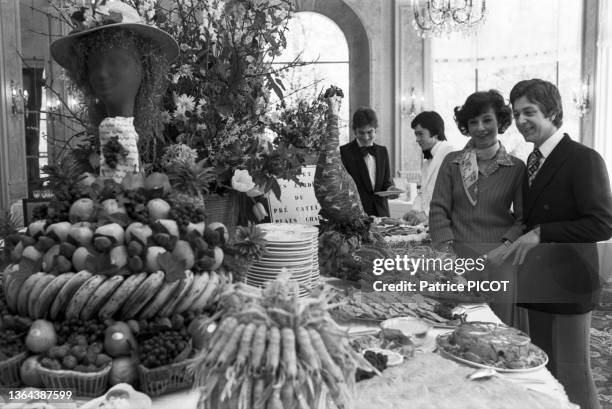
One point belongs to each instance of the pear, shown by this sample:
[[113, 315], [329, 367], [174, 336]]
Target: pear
[[113, 231], [158, 209], [16, 252], [31, 253], [135, 248], [199, 227], [133, 181], [41, 336], [112, 206], [81, 234], [37, 227], [218, 258], [183, 251], [119, 256], [81, 210], [170, 225], [158, 180], [49, 257], [79, 258], [218, 225], [137, 230], [59, 230], [63, 264], [151, 258]]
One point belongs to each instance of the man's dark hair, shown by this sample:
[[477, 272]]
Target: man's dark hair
[[364, 117], [542, 93], [432, 121]]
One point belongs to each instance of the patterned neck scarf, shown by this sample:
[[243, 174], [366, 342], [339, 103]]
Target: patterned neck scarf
[[468, 166]]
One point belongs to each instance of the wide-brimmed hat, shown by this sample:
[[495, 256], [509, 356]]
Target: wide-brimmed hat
[[113, 14]]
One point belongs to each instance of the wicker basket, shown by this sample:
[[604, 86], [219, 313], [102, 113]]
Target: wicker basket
[[82, 384], [166, 379], [9, 370], [221, 209]]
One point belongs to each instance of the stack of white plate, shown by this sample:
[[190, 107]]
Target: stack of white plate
[[293, 247]]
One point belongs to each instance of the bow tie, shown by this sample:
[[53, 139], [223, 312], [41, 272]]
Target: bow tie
[[427, 154], [365, 150]]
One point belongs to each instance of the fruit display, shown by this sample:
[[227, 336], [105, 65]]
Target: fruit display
[[268, 351]]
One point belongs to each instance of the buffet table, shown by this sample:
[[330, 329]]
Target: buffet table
[[429, 362]]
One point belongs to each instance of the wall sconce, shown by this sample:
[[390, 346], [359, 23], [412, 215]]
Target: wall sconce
[[581, 98], [409, 105], [19, 100]]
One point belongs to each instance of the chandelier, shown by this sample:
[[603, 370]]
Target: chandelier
[[434, 18]]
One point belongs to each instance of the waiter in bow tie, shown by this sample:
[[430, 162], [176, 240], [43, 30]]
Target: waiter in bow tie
[[368, 164], [429, 133]]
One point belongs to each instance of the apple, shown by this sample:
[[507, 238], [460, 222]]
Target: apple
[[86, 180], [199, 227], [218, 225], [170, 225], [151, 261], [112, 206], [158, 209], [139, 231], [32, 253], [79, 258], [49, 256], [113, 231], [158, 180], [37, 227], [81, 210], [29, 372], [60, 230], [81, 233], [119, 256], [183, 251]]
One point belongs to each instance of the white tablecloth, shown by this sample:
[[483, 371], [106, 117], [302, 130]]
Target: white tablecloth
[[544, 382]]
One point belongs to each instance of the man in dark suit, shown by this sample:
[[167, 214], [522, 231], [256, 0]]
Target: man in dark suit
[[368, 163], [567, 208]]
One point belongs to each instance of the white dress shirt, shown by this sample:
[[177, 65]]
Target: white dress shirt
[[429, 173], [547, 147], [370, 162]]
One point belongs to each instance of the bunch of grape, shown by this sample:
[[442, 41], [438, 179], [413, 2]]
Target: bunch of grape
[[135, 205], [39, 212], [76, 329], [57, 211], [163, 348], [11, 344], [113, 151], [185, 213], [76, 355]]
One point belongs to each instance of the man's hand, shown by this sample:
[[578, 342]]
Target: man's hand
[[496, 256], [522, 246]]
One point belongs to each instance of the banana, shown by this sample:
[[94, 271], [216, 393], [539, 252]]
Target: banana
[[40, 285], [24, 292], [184, 287], [143, 294], [204, 299], [100, 296], [12, 285], [120, 296], [198, 287], [65, 294], [48, 295], [166, 293], [82, 295]]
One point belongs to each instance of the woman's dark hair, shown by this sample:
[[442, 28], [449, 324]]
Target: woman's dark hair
[[147, 107], [364, 117], [477, 104], [432, 121], [542, 93]]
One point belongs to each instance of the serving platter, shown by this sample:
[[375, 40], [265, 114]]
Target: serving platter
[[443, 341]]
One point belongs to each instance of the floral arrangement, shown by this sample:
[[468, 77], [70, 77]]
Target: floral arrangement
[[300, 125]]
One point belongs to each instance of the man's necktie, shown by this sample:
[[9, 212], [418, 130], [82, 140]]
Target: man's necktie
[[365, 150], [533, 164], [427, 154]]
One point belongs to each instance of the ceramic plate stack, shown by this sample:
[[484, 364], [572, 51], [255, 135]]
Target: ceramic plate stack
[[291, 246]]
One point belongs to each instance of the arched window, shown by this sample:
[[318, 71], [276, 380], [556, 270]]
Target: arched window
[[316, 40]]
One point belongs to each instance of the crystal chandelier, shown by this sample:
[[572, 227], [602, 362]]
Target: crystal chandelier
[[434, 18]]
